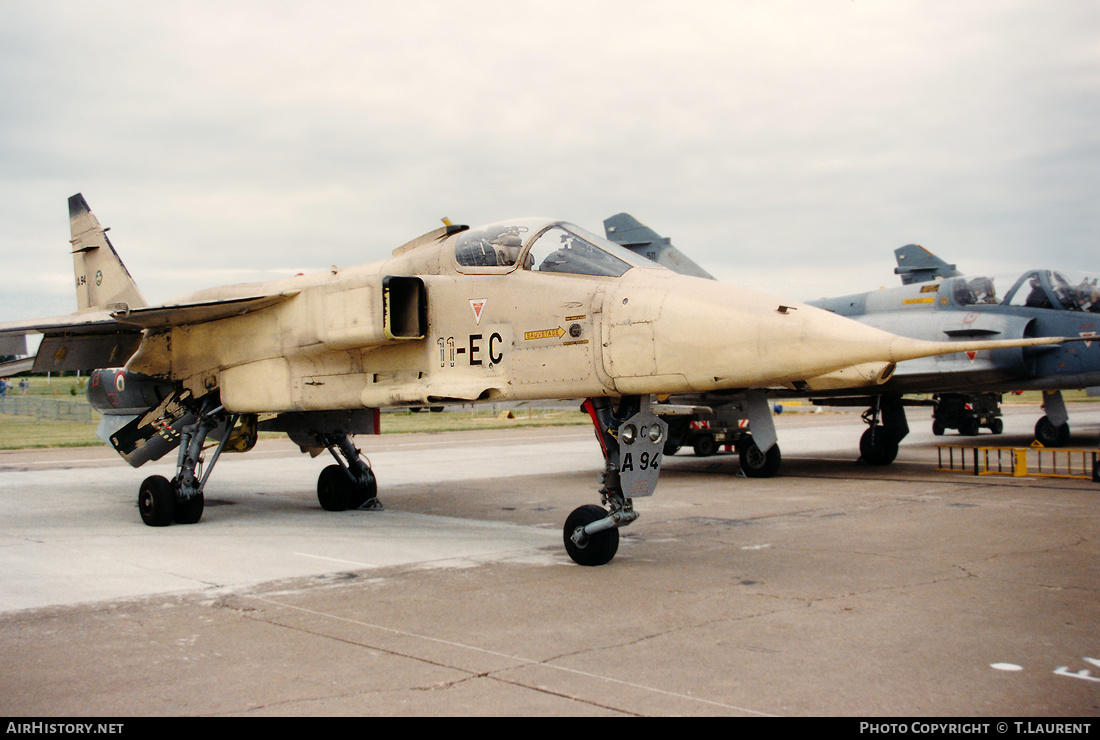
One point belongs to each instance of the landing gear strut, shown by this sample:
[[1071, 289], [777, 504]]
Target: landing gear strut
[[350, 484], [1052, 430], [879, 444], [162, 501], [632, 439]]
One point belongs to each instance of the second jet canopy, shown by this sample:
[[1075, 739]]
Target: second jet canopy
[[1061, 291]]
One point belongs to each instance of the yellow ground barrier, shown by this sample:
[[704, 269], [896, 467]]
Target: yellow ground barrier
[[1048, 462]]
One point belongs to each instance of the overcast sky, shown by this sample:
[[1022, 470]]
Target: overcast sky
[[787, 145]]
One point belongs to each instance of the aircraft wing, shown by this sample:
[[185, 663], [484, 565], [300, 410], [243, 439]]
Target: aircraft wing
[[92, 322], [77, 342], [161, 317], [108, 338]]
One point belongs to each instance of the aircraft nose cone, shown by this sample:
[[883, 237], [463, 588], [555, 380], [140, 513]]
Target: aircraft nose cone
[[697, 335]]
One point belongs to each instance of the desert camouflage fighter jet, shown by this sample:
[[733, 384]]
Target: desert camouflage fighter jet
[[519, 310]]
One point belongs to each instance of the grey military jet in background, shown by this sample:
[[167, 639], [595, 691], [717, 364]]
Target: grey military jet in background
[[941, 302], [938, 302]]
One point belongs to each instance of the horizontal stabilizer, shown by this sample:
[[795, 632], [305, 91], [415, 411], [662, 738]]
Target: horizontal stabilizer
[[16, 366]]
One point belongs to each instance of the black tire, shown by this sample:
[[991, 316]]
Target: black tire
[[996, 426], [757, 464], [334, 489], [970, 428], [875, 449], [1050, 435], [671, 448], [361, 494], [704, 445], [938, 428], [601, 547], [157, 501], [189, 511]]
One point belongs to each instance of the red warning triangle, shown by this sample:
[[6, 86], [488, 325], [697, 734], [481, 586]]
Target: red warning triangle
[[477, 304]]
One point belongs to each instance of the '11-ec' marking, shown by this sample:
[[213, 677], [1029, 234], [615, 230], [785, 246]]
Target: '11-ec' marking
[[473, 350]]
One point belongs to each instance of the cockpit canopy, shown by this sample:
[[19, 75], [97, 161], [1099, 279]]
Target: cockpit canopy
[[543, 246], [1034, 289]]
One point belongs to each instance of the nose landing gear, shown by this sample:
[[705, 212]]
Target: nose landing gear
[[632, 439]]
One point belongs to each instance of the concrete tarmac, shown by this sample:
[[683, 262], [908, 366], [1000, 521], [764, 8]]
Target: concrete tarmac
[[833, 589]]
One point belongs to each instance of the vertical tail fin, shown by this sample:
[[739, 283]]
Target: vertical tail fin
[[102, 281], [917, 265], [624, 229]]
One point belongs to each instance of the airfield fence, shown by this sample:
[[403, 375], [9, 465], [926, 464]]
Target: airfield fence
[[1048, 462], [48, 408]]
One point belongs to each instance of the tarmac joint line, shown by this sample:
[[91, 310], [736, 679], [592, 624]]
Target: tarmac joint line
[[521, 661]]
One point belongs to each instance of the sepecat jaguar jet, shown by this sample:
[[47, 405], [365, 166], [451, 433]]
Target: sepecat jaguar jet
[[519, 310]]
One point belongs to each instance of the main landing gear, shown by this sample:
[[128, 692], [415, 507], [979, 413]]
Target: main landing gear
[[632, 439], [1052, 430], [879, 444], [349, 484], [162, 501], [1051, 435]]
